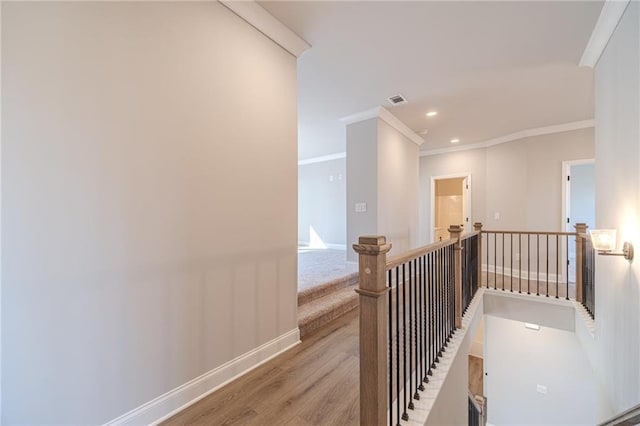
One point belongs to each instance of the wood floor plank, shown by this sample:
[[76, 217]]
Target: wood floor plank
[[315, 383]]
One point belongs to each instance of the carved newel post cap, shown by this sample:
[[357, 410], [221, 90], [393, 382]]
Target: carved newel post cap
[[455, 228], [581, 228], [372, 245], [477, 226]]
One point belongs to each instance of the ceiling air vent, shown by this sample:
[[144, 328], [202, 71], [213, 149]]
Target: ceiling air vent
[[397, 100]]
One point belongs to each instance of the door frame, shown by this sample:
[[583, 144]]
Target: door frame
[[466, 200], [566, 189]]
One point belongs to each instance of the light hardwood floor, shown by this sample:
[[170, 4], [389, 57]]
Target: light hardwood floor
[[315, 383]]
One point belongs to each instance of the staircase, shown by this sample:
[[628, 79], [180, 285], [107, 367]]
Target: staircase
[[326, 302]]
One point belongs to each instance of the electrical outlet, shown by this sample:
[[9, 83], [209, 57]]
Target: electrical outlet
[[496, 216], [361, 207]]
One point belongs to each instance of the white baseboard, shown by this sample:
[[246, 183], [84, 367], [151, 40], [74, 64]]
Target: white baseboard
[[167, 405], [327, 245], [336, 246], [542, 276]]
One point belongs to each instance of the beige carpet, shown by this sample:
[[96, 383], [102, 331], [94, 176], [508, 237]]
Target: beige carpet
[[319, 266]]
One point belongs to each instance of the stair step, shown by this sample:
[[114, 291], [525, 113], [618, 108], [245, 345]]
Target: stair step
[[323, 290], [322, 310]]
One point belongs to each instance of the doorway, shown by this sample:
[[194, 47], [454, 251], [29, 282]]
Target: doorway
[[578, 201], [450, 201]]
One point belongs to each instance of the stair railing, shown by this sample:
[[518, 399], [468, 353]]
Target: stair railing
[[541, 263], [410, 307]]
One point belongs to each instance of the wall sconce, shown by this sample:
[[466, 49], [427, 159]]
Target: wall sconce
[[604, 241]]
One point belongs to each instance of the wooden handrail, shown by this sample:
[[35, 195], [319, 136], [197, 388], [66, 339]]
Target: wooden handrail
[[415, 253], [394, 261], [562, 233]]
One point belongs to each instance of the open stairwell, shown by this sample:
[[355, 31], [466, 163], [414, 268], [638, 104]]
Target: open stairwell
[[321, 304]]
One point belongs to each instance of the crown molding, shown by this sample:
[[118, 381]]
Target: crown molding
[[538, 131], [386, 116], [268, 25], [610, 16], [323, 158]]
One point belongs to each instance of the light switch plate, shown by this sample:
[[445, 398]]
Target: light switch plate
[[361, 207], [541, 389]]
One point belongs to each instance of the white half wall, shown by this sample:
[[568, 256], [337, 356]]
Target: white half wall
[[149, 205], [538, 377]]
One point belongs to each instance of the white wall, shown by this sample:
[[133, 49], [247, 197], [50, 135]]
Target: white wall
[[473, 162], [149, 202], [397, 188], [322, 201], [518, 359], [362, 181], [382, 171], [520, 180], [617, 101], [452, 399]]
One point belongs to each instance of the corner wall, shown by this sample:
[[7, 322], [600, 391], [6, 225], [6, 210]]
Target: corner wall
[[382, 171], [617, 100], [149, 203]]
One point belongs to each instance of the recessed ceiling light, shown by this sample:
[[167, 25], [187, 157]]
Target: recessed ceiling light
[[432, 113], [455, 140]]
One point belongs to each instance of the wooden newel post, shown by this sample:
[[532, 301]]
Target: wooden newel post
[[454, 232], [478, 228], [581, 228], [373, 329]]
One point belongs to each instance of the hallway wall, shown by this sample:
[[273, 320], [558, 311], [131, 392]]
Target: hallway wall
[[521, 181], [617, 302], [322, 202], [149, 176]]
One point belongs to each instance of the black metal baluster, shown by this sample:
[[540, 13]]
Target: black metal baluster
[[538, 264], [390, 338], [487, 251], [398, 343], [419, 332], [557, 264], [547, 235], [567, 258], [405, 416], [511, 272], [439, 306], [503, 262], [528, 263], [520, 263], [495, 261]]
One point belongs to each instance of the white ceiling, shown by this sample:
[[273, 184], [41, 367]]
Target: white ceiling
[[488, 68]]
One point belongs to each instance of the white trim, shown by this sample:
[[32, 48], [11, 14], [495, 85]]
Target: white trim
[[304, 245], [323, 158], [386, 116], [268, 25], [566, 190], [538, 131], [165, 406], [533, 276], [336, 246], [608, 20], [466, 207]]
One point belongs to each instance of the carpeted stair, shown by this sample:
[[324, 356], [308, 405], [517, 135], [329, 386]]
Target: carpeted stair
[[326, 302]]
